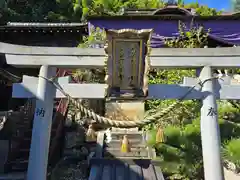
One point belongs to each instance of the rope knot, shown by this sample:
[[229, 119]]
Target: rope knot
[[201, 83]]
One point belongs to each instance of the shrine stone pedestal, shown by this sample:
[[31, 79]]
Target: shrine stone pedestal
[[126, 110]]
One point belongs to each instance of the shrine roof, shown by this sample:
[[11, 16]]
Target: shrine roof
[[166, 13], [35, 26], [164, 17]]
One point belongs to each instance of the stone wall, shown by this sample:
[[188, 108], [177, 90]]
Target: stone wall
[[4, 148], [7, 129]]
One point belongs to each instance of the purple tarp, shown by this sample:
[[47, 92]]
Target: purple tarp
[[227, 31]]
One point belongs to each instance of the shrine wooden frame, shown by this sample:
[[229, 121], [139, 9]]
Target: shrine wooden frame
[[128, 35]]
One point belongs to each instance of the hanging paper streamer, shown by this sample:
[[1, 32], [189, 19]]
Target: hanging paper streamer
[[125, 146], [91, 134], [160, 135]]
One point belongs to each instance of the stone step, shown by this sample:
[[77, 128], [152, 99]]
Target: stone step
[[133, 149], [133, 143], [23, 121], [23, 127], [19, 161], [18, 138], [24, 153], [19, 165], [132, 146], [124, 130], [26, 142], [116, 152], [22, 143], [28, 133], [119, 135], [13, 176]]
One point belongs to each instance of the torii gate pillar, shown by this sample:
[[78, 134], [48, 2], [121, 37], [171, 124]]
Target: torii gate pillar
[[38, 159], [210, 133]]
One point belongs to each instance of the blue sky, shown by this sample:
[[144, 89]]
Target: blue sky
[[218, 4]]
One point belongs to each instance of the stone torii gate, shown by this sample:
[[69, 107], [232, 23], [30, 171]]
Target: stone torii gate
[[48, 58]]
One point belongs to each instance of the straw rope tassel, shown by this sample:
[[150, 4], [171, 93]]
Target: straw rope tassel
[[91, 134], [160, 135], [125, 146]]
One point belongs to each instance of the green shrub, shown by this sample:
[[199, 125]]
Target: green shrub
[[182, 150], [228, 130], [192, 132], [173, 136], [231, 151], [152, 137], [169, 153], [228, 112], [192, 143]]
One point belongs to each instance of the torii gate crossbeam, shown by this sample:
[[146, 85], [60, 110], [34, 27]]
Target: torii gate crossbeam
[[27, 56]]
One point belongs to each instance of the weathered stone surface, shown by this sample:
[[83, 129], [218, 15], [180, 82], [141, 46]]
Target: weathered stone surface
[[68, 169], [126, 110], [74, 138], [77, 152]]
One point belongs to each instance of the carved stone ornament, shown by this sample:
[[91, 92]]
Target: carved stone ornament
[[127, 62]]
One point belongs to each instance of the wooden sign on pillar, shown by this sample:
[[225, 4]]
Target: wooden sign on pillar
[[127, 62]]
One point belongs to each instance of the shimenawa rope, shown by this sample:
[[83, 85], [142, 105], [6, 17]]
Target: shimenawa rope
[[123, 124]]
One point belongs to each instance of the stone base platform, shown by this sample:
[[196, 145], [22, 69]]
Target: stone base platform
[[125, 110]]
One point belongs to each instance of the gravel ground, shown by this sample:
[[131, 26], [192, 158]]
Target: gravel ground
[[71, 171]]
